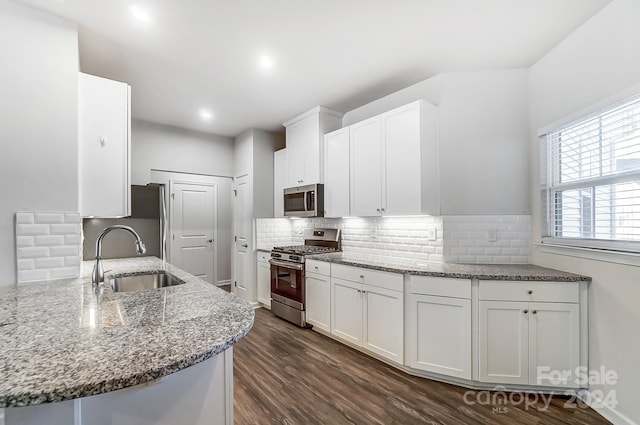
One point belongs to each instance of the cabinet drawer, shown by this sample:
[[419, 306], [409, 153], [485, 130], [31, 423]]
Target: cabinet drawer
[[393, 281], [263, 257], [440, 286], [320, 267], [506, 290]]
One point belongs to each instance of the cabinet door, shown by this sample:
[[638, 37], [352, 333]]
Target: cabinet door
[[336, 174], [384, 323], [303, 151], [264, 284], [402, 161], [346, 310], [318, 301], [554, 343], [439, 335], [279, 181], [295, 154], [504, 342], [104, 148], [366, 168]]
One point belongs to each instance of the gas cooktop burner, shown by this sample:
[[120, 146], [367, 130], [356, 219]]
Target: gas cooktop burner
[[304, 249]]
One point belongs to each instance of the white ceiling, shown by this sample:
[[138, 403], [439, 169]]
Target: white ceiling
[[339, 53]]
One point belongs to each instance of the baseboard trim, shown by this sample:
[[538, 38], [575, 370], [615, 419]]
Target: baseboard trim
[[607, 412], [223, 282]]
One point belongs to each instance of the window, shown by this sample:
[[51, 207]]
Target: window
[[591, 180]]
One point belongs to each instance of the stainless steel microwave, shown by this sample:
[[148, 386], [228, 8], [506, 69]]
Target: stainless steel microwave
[[304, 201]]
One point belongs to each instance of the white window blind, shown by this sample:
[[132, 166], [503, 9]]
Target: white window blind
[[591, 180]]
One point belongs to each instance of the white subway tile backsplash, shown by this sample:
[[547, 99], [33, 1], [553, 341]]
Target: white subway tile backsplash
[[26, 264], [65, 229], [65, 272], [460, 239], [64, 251], [49, 263], [32, 252], [24, 241], [49, 240], [24, 218], [512, 244], [47, 245], [33, 275], [32, 229], [48, 218]]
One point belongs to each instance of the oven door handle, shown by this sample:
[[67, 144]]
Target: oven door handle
[[286, 265]]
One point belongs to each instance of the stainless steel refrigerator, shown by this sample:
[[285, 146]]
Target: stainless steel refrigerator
[[148, 218]]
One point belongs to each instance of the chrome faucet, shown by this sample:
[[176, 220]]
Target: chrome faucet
[[97, 276]]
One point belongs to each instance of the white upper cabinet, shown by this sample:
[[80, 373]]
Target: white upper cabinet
[[104, 134], [336, 173], [394, 162], [280, 177], [366, 167], [305, 147]]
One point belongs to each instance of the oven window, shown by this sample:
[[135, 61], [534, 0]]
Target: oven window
[[287, 283], [294, 202]]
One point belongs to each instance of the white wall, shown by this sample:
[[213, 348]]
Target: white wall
[[265, 144], [598, 60], [39, 131], [162, 147], [483, 138]]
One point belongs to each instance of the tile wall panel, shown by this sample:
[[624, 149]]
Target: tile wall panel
[[47, 245]]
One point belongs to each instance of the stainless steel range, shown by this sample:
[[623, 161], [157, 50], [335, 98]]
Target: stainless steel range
[[288, 272]]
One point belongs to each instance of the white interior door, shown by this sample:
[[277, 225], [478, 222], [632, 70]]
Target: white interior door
[[242, 252], [193, 229]]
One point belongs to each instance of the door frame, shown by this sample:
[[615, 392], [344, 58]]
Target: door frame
[[171, 244], [250, 275]]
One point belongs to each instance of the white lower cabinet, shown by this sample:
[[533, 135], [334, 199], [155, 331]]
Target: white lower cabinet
[[346, 310], [318, 295], [383, 325], [439, 326], [264, 279], [533, 342], [369, 315]]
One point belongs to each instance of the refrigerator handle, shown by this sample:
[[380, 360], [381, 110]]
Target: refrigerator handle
[[163, 242]]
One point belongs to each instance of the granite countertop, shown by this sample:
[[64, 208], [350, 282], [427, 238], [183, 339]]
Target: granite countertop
[[61, 341], [524, 272]]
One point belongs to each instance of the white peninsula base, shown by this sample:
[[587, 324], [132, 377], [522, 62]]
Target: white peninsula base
[[198, 395]]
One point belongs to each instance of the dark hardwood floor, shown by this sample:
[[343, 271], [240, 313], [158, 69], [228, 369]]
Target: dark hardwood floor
[[287, 375]]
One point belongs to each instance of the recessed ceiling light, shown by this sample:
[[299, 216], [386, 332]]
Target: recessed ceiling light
[[206, 114], [140, 14], [265, 62]]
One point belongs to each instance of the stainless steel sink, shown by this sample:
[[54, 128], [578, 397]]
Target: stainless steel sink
[[143, 281]]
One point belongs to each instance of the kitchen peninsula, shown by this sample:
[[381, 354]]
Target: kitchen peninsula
[[72, 356]]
